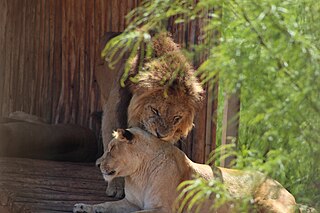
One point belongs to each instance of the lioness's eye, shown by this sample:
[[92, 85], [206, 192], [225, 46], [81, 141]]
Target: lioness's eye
[[176, 119], [155, 111]]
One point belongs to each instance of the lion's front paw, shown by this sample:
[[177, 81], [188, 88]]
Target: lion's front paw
[[82, 208]]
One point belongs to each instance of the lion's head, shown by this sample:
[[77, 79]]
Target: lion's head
[[126, 152], [166, 95], [168, 117]]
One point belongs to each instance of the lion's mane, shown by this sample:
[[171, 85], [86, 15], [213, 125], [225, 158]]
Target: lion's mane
[[167, 77]]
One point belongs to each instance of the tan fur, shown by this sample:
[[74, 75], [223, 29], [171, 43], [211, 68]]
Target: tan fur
[[162, 123], [165, 98], [154, 168], [167, 85]]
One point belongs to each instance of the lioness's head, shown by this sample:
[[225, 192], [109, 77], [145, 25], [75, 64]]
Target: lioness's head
[[126, 152]]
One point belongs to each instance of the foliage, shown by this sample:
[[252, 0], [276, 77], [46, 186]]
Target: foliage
[[269, 51]]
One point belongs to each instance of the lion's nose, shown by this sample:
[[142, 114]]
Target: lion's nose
[[160, 135]]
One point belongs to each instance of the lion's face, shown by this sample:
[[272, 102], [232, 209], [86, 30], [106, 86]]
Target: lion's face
[[166, 93], [168, 117], [124, 155]]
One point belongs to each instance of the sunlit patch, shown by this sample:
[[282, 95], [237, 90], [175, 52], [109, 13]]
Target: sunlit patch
[[115, 134]]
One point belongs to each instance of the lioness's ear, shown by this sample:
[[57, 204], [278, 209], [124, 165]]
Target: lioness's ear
[[124, 135]]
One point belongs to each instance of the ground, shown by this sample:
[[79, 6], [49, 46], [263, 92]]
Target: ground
[[28, 185]]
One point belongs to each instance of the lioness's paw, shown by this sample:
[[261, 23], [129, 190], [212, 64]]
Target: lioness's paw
[[114, 191], [82, 208]]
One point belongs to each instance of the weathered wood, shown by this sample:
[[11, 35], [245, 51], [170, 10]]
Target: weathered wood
[[48, 60], [49, 49], [46, 186], [201, 141], [230, 125]]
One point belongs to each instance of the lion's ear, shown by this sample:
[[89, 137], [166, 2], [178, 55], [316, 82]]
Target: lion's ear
[[124, 135]]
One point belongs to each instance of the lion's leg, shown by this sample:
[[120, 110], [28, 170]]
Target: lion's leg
[[120, 206], [115, 101], [115, 116]]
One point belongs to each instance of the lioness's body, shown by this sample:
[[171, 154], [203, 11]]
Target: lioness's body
[[153, 169]]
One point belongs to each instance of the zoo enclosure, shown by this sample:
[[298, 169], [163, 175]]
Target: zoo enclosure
[[48, 59]]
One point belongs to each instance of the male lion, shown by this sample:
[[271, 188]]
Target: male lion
[[154, 168], [163, 101]]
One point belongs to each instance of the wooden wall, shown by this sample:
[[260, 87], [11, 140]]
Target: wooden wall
[[202, 139], [47, 61], [48, 52]]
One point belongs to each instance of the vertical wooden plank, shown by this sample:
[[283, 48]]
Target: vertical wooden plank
[[213, 125], [14, 56], [61, 98], [45, 112], [14, 60], [3, 53], [122, 5], [115, 15], [8, 50], [103, 20], [81, 113], [99, 32], [71, 62], [57, 61], [230, 125], [33, 79], [90, 35], [37, 60], [20, 57], [211, 120], [50, 64], [198, 145], [130, 6], [29, 55], [24, 55], [68, 62], [89, 23], [41, 66], [109, 17]]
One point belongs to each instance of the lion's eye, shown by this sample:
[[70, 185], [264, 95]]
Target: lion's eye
[[155, 111], [176, 119]]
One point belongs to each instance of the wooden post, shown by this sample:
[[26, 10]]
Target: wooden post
[[211, 119], [230, 125]]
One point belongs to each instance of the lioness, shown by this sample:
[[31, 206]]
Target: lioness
[[163, 101], [153, 169]]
